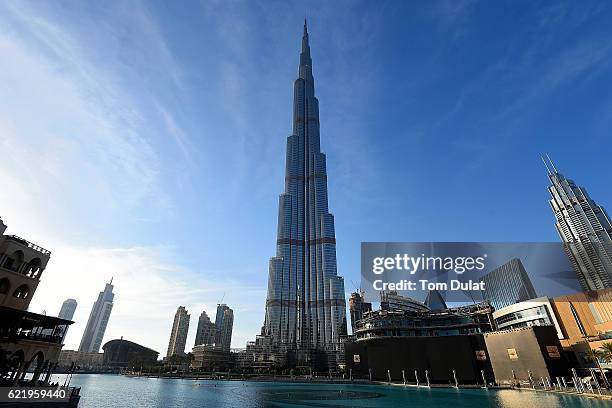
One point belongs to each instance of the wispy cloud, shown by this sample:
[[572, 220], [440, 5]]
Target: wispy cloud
[[149, 285], [452, 16], [82, 160], [181, 139], [576, 64], [155, 44], [451, 12], [70, 119]]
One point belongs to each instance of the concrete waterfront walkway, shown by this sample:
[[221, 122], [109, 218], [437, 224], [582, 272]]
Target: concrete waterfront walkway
[[605, 395]]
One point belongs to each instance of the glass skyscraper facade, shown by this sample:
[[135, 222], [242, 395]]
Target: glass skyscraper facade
[[224, 323], [306, 306], [98, 320], [585, 228], [205, 333], [67, 312], [508, 284], [68, 308]]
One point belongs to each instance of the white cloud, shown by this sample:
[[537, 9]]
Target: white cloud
[[66, 128], [149, 286], [79, 164]]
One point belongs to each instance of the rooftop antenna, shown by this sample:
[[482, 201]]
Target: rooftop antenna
[[222, 297], [357, 288], [552, 164], [111, 281], [546, 164]]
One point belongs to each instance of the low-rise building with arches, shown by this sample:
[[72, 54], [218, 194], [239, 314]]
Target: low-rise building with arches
[[30, 343]]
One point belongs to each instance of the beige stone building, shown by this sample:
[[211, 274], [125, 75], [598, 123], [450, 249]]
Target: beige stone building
[[586, 319], [29, 341], [80, 358], [209, 357]]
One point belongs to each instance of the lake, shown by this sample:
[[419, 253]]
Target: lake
[[114, 391]]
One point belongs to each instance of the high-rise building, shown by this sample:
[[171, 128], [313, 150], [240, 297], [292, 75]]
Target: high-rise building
[[67, 312], [68, 308], [98, 319], [178, 336], [305, 306], [224, 323], [585, 228], [357, 307], [205, 333], [508, 284]]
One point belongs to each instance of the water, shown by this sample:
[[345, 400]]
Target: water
[[113, 391]]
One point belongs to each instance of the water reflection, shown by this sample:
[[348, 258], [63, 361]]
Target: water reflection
[[307, 397], [511, 399], [112, 391]]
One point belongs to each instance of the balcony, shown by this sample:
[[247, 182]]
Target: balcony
[[28, 244], [19, 325]]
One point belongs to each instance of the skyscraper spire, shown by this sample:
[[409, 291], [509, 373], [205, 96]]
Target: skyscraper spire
[[546, 164], [305, 45], [305, 70], [551, 163]]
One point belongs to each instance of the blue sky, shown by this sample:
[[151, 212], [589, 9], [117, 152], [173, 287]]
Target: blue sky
[[146, 140]]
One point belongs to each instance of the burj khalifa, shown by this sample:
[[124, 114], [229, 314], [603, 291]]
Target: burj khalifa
[[306, 306]]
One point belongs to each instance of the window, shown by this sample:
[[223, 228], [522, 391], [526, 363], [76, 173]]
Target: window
[[33, 268], [595, 313], [14, 261], [22, 292], [577, 319]]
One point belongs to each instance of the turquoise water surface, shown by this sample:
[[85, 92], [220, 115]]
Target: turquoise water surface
[[113, 391]]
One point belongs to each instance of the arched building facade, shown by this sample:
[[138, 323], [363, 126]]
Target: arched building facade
[[30, 343]]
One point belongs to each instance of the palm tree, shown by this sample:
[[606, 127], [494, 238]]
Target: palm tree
[[605, 352]]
